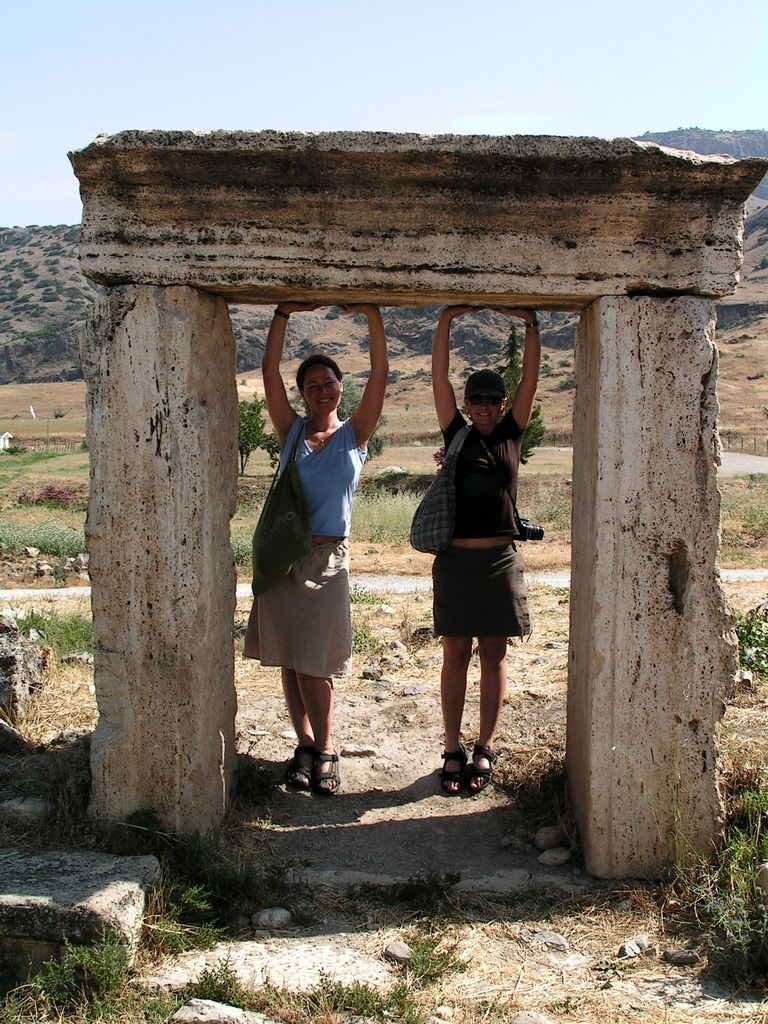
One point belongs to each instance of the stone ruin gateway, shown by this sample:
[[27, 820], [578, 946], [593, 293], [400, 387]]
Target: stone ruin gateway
[[638, 239]]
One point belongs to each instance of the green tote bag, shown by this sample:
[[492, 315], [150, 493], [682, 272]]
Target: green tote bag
[[282, 533]]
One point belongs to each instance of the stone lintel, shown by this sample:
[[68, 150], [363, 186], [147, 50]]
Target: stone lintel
[[410, 219], [651, 652]]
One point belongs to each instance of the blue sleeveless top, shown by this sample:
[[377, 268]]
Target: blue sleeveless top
[[328, 476]]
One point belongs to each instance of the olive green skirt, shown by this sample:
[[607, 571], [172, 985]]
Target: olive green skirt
[[480, 592]]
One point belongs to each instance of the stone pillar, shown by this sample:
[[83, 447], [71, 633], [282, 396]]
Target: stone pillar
[[651, 649], [162, 432]]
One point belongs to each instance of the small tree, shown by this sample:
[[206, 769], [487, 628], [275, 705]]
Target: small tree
[[512, 371], [350, 399], [252, 433]]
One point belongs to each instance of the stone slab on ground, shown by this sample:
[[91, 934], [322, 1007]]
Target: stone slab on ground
[[208, 1011], [296, 966], [47, 898]]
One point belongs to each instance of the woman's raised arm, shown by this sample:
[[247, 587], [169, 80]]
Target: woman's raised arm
[[442, 389], [366, 415], [281, 412]]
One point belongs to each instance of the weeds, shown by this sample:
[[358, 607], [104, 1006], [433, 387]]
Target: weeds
[[65, 632], [48, 536], [361, 595], [84, 974], [363, 641], [50, 496], [727, 900], [752, 632]]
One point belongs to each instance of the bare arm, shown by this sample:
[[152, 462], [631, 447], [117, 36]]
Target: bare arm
[[525, 395], [442, 389], [366, 415], [280, 410]]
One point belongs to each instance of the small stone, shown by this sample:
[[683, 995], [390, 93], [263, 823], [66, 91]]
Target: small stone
[[81, 561], [552, 939], [628, 950], [28, 808], [549, 836], [681, 957], [554, 857], [745, 678], [506, 841], [446, 1012], [762, 877], [554, 645], [374, 673], [400, 952], [43, 569], [412, 691], [386, 609], [272, 917], [381, 697], [642, 942], [392, 662], [289, 734], [353, 751], [530, 1018], [399, 646], [31, 552]]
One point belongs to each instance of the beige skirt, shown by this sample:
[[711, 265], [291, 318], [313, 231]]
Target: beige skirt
[[303, 622]]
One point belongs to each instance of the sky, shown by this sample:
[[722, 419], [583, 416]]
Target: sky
[[71, 70]]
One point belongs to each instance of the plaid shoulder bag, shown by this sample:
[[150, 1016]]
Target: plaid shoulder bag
[[433, 520]]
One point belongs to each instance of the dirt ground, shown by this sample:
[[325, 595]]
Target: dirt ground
[[391, 823]]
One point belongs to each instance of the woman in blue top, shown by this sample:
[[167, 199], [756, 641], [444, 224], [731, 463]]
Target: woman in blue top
[[302, 624], [478, 584]]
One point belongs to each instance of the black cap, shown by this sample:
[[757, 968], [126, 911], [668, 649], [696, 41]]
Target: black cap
[[485, 382]]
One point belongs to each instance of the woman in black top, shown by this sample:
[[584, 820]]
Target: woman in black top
[[479, 588]]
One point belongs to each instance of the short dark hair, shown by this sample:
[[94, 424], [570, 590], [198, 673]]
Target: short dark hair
[[316, 359]]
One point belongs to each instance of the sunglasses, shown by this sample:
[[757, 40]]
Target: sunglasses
[[484, 399]]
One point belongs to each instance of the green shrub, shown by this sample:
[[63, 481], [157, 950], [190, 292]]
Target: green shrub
[[752, 632], [49, 536], [729, 904], [84, 974]]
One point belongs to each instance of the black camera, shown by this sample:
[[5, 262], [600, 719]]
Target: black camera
[[528, 530]]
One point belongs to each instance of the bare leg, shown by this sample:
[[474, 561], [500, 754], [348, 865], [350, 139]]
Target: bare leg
[[457, 650], [299, 719], [316, 694], [493, 686]]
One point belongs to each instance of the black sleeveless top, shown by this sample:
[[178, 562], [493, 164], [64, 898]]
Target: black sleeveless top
[[486, 488]]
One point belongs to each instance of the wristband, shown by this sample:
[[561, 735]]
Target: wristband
[[279, 312]]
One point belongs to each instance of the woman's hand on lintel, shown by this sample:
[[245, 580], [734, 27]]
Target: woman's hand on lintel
[[367, 308], [297, 307]]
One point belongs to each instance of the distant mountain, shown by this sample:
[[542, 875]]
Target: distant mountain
[[709, 143]]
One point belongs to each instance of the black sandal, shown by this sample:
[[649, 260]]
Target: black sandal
[[484, 774], [457, 777], [298, 776], [326, 783]]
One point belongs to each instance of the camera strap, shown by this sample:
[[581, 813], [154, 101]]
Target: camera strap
[[495, 463]]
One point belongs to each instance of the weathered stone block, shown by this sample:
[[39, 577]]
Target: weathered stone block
[[162, 432], [410, 219], [651, 650], [21, 673], [51, 897]]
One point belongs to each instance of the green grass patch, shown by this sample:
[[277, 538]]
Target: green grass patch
[[379, 516], [49, 535], [66, 633]]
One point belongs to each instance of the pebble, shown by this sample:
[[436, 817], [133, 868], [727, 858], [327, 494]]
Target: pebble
[[399, 646], [381, 697], [353, 751], [628, 950], [681, 957], [400, 952], [372, 673], [530, 1018], [555, 856], [386, 609], [550, 836], [552, 939], [272, 917], [412, 691], [31, 552]]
